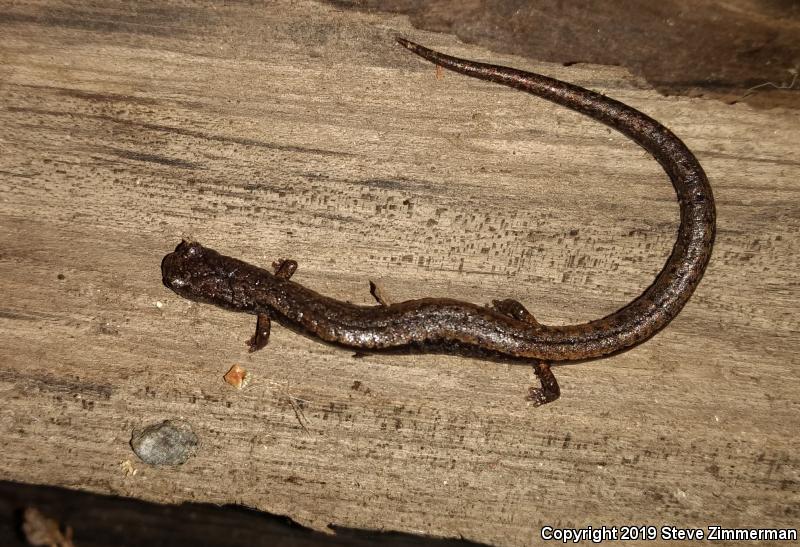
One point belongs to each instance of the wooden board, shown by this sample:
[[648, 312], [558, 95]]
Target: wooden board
[[295, 130]]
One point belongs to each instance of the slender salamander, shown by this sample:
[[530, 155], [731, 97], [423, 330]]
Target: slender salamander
[[505, 330]]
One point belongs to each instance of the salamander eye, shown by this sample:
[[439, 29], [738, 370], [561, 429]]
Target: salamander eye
[[193, 249], [177, 282], [188, 248]]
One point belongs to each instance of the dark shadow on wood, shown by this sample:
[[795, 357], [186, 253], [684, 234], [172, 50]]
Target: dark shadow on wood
[[99, 520]]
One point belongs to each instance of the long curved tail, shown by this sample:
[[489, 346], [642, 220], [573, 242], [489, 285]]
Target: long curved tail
[[663, 300]]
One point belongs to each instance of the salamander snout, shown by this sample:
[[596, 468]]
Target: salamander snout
[[184, 269], [198, 273]]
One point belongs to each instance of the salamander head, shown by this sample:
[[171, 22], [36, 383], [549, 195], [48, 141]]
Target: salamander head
[[198, 273]]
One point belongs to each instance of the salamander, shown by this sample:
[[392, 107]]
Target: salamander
[[504, 330]]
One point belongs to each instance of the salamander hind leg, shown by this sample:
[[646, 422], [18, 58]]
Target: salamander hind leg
[[549, 391], [514, 309], [378, 294], [284, 268], [261, 336]]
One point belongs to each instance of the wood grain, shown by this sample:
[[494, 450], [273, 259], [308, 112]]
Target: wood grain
[[293, 130]]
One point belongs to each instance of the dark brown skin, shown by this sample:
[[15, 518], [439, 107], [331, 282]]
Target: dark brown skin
[[506, 330]]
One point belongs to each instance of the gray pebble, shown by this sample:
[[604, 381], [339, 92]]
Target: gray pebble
[[170, 442]]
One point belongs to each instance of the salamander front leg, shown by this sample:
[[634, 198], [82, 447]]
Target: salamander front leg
[[261, 336], [515, 310], [549, 391], [284, 268]]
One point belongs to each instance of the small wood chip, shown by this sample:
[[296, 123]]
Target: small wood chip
[[237, 377]]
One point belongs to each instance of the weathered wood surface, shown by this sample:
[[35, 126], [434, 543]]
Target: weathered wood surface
[[294, 130]]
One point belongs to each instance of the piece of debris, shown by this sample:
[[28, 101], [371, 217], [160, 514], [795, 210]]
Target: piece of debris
[[237, 377], [128, 468], [42, 531], [170, 442]]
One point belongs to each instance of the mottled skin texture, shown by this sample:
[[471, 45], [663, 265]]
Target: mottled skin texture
[[506, 329]]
